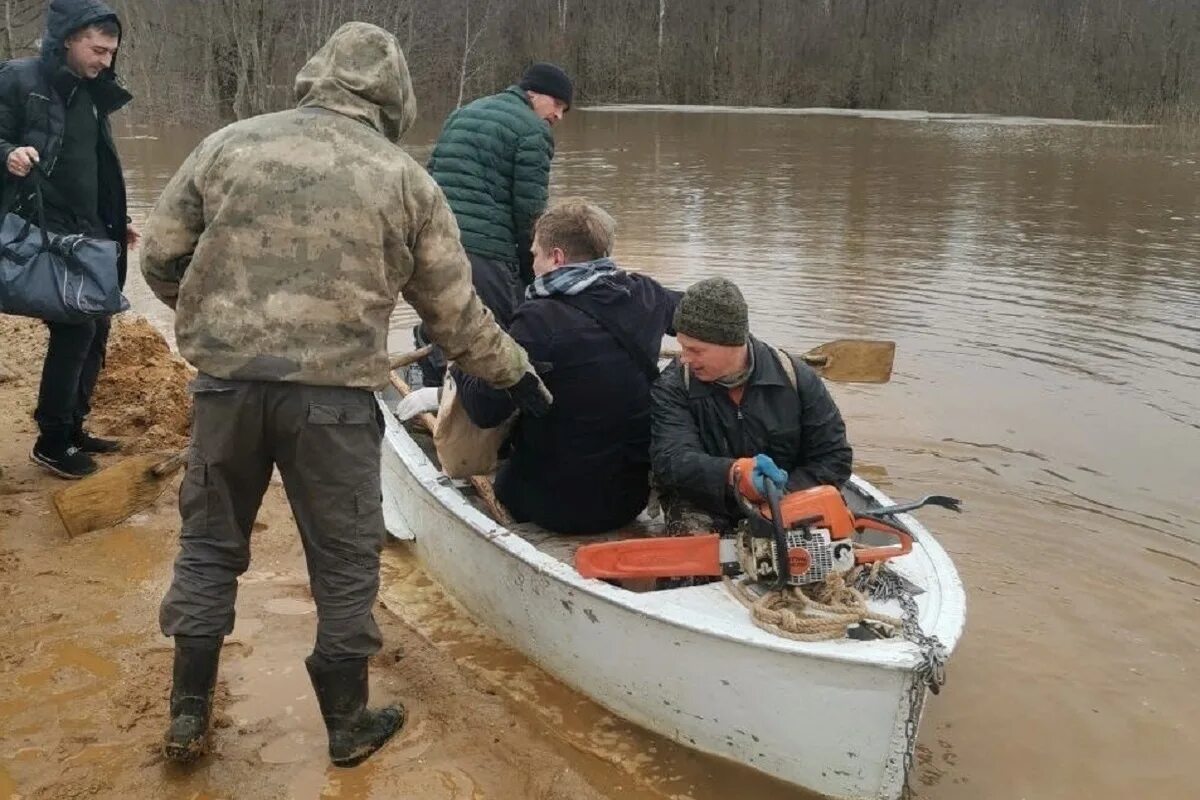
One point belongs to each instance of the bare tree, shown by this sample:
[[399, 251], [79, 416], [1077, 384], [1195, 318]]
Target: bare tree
[[1128, 59], [21, 19], [658, 61]]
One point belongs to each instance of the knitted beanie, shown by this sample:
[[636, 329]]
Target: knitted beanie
[[713, 311], [548, 79]]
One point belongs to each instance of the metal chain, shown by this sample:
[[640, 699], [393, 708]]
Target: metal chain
[[883, 583]]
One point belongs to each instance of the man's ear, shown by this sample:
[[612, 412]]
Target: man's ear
[[558, 256]]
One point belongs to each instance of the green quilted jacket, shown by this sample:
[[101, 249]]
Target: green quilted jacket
[[492, 160]]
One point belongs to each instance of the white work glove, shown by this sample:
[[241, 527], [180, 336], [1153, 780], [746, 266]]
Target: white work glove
[[418, 402]]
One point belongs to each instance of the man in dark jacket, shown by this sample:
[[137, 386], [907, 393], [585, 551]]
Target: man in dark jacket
[[54, 118], [595, 333], [733, 401], [492, 159]]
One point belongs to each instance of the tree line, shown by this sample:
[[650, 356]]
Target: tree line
[[1136, 60]]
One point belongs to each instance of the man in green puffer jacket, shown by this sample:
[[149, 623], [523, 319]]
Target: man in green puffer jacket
[[492, 160]]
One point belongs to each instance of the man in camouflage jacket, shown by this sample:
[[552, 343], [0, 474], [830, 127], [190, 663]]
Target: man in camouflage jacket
[[282, 244]]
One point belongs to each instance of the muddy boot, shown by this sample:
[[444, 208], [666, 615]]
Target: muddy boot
[[355, 732], [195, 678]]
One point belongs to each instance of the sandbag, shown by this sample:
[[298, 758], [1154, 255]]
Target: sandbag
[[463, 448]]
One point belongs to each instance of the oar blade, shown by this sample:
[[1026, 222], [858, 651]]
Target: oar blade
[[853, 360], [663, 557]]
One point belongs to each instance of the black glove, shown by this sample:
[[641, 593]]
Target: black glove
[[530, 395]]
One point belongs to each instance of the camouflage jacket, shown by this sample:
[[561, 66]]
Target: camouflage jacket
[[284, 240]]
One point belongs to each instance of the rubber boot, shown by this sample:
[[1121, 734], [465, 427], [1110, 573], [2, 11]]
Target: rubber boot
[[192, 686], [355, 732]]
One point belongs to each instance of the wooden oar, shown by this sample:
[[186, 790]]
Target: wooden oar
[[846, 360], [404, 359], [842, 360], [116, 493], [483, 486]]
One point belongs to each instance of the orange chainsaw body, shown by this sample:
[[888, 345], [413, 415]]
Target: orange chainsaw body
[[823, 507]]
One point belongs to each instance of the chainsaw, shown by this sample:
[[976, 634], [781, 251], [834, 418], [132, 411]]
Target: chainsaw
[[794, 540]]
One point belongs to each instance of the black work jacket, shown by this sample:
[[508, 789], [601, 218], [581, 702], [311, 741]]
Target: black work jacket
[[34, 93], [698, 430]]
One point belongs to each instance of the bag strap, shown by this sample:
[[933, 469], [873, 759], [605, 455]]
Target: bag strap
[[789, 366], [8, 197], [34, 177], [645, 363]]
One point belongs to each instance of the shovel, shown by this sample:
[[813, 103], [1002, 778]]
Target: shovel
[[113, 495]]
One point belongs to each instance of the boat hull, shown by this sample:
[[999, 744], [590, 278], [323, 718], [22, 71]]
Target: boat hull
[[682, 663]]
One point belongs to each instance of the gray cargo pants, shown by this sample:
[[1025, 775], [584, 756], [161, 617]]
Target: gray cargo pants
[[326, 442]]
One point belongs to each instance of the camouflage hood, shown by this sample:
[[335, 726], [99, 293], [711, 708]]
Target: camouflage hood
[[361, 73]]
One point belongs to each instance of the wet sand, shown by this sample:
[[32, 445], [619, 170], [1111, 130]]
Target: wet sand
[[84, 672]]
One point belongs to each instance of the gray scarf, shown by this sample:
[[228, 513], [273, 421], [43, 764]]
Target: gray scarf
[[739, 378]]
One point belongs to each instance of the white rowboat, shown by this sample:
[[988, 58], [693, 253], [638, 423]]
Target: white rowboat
[[836, 717]]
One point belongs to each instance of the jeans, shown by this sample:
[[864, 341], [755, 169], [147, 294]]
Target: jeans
[[69, 373]]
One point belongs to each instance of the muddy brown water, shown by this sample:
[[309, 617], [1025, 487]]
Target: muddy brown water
[[1042, 283]]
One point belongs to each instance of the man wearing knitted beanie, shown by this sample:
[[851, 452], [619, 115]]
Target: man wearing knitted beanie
[[733, 401], [492, 160]]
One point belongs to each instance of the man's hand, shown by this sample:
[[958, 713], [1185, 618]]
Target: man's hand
[[21, 161], [132, 237], [531, 396], [749, 477]]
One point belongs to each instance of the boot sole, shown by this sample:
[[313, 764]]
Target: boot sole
[[184, 753], [53, 470]]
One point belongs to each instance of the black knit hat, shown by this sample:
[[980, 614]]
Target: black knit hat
[[548, 79], [713, 311]]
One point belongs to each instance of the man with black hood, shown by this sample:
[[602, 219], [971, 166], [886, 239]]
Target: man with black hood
[[54, 119], [595, 332]]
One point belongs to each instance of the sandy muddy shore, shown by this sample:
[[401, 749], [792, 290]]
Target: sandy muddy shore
[[84, 672]]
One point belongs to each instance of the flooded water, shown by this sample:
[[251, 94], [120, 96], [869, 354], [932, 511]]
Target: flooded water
[[1042, 283]]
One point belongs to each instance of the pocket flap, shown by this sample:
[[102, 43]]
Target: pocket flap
[[324, 414]]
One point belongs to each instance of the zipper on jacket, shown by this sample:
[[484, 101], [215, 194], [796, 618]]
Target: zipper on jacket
[[54, 162]]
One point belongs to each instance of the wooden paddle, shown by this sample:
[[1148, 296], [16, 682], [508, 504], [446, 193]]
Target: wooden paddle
[[116, 493], [853, 360], [483, 486], [404, 359], [846, 360], [113, 495], [842, 360]]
